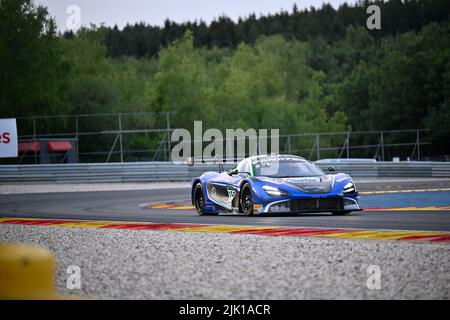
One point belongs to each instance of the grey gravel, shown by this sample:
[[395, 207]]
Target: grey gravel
[[126, 264]]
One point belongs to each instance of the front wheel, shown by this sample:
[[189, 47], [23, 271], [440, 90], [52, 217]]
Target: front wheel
[[246, 201], [199, 201]]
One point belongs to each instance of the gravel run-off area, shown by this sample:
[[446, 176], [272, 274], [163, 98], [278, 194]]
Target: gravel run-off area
[[132, 264]]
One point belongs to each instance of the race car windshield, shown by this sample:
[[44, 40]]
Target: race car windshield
[[283, 168]]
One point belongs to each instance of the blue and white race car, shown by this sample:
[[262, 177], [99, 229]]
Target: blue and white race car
[[274, 184]]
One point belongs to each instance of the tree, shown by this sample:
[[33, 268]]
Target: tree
[[182, 84], [31, 69]]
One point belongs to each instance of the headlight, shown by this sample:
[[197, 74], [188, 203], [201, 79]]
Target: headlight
[[273, 191], [349, 188]]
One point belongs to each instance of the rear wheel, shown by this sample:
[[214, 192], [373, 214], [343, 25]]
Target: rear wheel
[[340, 213], [246, 201], [199, 201]]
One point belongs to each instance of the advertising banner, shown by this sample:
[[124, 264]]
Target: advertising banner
[[8, 138]]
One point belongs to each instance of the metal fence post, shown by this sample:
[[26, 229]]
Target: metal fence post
[[382, 145], [418, 144], [348, 144], [318, 145], [120, 137], [168, 135], [289, 144], [34, 139], [76, 136]]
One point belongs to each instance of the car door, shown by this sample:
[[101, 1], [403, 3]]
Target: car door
[[224, 189]]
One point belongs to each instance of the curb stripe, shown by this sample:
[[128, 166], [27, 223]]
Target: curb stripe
[[219, 228], [174, 206], [435, 238], [146, 226], [293, 232], [419, 236]]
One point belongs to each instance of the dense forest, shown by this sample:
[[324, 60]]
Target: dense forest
[[330, 24], [312, 70]]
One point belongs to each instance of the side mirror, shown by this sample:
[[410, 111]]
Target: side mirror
[[331, 168], [190, 162], [233, 171]]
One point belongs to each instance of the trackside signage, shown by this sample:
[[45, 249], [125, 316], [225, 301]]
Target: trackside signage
[[8, 138]]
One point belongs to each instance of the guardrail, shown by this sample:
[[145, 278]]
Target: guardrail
[[102, 172], [166, 171], [410, 169]]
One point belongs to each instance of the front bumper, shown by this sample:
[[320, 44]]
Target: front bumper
[[319, 204]]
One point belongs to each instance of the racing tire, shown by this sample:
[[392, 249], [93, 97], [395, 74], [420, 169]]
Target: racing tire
[[246, 200], [340, 213], [199, 201]]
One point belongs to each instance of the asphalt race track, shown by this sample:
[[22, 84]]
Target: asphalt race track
[[409, 205], [149, 244]]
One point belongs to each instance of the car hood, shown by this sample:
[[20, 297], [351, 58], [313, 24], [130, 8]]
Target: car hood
[[319, 184]]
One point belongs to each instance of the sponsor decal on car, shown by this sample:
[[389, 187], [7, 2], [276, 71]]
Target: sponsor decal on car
[[307, 180]]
